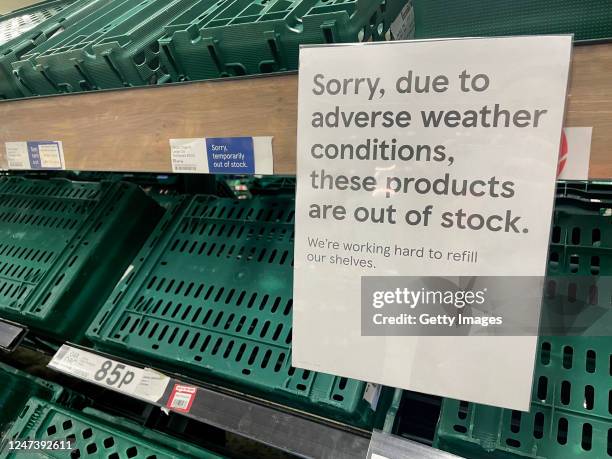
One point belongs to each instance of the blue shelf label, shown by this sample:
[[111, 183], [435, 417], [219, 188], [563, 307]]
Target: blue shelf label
[[230, 155], [44, 154]]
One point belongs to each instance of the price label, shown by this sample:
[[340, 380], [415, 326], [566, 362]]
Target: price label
[[35, 155], [142, 383], [118, 375]]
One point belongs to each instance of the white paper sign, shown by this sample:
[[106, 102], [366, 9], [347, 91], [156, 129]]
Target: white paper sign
[[575, 153], [142, 383], [423, 158]]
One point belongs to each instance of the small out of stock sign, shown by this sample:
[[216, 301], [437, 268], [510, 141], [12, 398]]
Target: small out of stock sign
[[424, 158]]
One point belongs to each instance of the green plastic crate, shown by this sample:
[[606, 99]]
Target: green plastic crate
[[42, 78], [210, 296], [124, 42], [92, 434], [581, 239], [587, 19], [16, 387], [240, 37], [63, 247], [572, 192], [273, 185], [571, 409], [569, 415], [594, 193], [17, 22], [115, 48], [11, 86]]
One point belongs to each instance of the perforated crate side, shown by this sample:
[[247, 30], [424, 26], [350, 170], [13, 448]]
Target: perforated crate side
[[93, 434], [57, 72], [118, 48], [587, 20], [49, 78], [47, 215], [245, 37], [18, 22], [593, 191], [11, 84], [76, 240], [210, 296], [192, 53], [570, 413]]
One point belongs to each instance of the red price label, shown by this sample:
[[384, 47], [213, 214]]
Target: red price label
[[182, 398]]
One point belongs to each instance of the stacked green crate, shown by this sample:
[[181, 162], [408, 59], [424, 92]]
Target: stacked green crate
[[239, 37], [587, 19], [14, 24], [63, 246], [10, 85], [91, 433], [117, 47], [210, 296], [124, 43], [571, 414], [16, 387], [41, 78]]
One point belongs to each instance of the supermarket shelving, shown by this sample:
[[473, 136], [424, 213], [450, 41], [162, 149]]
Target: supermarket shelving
[[278, 426], [127, 43], [142, 120], [129, 130], [210, 295], [307, 426]]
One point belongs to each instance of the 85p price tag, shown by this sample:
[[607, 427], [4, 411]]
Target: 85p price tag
[[141, 383], [115, 374]]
